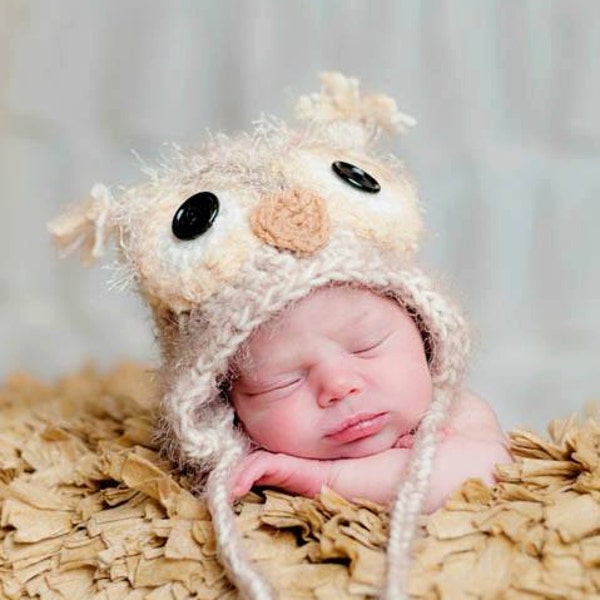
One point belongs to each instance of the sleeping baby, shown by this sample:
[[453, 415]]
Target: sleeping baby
[[332, 392], [301, 345]]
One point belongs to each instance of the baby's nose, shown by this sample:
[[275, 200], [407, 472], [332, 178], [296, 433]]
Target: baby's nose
[[296, 220], [338, 382]]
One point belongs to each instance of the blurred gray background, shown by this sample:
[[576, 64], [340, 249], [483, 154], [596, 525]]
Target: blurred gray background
[[507, 156]]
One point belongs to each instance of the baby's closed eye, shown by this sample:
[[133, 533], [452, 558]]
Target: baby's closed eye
[[280, 386], [366, 346]]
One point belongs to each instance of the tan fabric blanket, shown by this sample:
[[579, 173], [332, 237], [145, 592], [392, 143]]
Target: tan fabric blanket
[[87, 510]]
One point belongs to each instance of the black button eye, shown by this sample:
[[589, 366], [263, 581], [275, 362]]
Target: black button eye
[[356, 177], [195, 216]]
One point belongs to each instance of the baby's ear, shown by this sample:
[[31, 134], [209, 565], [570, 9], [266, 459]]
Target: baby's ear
[[86, 226], [340, 106]]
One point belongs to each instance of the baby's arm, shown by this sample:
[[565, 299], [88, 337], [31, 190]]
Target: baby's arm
[[472, 444], [304, 476], [457, 459]]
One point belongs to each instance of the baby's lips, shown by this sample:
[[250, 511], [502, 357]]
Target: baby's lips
[[359, 427]]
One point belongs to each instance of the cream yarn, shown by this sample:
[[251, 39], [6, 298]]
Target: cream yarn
[[286, 224]]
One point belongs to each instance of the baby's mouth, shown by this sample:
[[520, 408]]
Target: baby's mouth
[[359, 426]]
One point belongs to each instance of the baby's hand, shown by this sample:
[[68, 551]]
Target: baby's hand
[[297, 475]]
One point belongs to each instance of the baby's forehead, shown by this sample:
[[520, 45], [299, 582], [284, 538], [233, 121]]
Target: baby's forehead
[[336, 302], [336, 310]]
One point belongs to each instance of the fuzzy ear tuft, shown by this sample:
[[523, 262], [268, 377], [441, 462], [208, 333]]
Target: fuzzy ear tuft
[[340, 100], [86, 226]]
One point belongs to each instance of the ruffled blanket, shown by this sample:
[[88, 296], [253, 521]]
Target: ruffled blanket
[[88, 510]]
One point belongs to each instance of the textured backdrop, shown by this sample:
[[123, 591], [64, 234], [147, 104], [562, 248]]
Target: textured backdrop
[[507, 156]]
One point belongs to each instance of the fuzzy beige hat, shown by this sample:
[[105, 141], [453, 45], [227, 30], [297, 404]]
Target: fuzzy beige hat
[[219, 241]]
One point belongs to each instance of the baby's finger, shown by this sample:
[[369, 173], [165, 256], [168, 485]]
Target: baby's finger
[[240, 485], [239, 490], [244, 476]]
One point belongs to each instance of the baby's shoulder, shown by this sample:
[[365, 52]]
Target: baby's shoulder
[[472, 415], [469, 402]]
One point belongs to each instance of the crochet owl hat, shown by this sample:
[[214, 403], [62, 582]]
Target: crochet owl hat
[[220, 241]]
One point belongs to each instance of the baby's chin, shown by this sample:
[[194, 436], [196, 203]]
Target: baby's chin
[[357, 449], [362, 450]]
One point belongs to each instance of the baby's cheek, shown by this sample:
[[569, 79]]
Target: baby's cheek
[[416, 402], [273, 430], [412, 385]]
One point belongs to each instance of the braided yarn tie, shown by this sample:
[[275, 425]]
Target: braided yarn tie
[[241, 570], [408, 503]]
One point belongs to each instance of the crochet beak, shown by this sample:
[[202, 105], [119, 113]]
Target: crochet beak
[[296, 221]]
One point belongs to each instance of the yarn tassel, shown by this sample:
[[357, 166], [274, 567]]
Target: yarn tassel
[[85, 226], [340, 99]]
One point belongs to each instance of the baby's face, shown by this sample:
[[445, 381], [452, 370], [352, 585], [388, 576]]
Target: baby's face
[[342, 374]]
